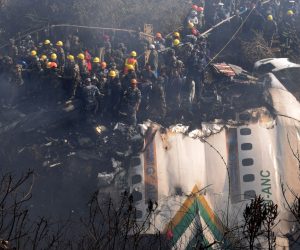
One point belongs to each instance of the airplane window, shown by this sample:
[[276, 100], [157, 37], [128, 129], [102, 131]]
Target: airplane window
[[247, 162], [245, 131], [246, 146], [139, 214], [249, 194], [136, 179], [137, 196], [135, 161], [248, 177]]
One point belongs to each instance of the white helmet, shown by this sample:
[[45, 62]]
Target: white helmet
[[152, 46]]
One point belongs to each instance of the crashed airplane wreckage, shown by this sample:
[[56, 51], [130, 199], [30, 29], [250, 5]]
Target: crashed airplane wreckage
[[204, 178]]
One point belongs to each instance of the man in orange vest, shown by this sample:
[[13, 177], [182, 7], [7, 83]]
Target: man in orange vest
[[131, 61]]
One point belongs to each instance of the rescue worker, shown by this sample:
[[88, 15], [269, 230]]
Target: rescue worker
[[88, 58], [91, 95], [132, 97], [148, 74], [196, 65], [44, 60], [29, 43], [96, 67], [288, 34], [15, 82], [173, 94], [148, 78], [192, 18], [114, 95], [13, 51], [153, 59], [159, 41], [53, 58], [131, 74], [158, 107], [60, 55], [72, 77], [220, 13], [82, 66], [114, 68], [187, 98], [131, 61], [190, 33], [171, 60], [34, 65], [119, 55], [201, 18], [270, 30], [104, 67], [52, 84], [46, 48]]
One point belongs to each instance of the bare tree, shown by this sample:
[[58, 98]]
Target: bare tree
[[260, 218]]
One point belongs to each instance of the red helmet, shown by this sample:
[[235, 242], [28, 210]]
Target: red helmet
[[195, 7], [53, 65], [200, 9]]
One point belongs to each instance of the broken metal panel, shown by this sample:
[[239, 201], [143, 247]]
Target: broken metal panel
[[224, 69]]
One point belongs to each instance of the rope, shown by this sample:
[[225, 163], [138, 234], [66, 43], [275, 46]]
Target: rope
[[100, 28], [230, 40]]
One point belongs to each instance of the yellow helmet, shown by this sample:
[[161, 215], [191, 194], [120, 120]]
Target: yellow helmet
[[191, 25], [96, 60], [133, 53], [290, 13], [130, 67], [33, 53], [49, 65], [112, 73], [270, 18], [46, 42], [60, 43], [176, 34], [176, 42], [43, 57], [53, 56], [70, 57], [80, 56]]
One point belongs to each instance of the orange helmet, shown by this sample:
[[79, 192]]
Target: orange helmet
[[103, 65]]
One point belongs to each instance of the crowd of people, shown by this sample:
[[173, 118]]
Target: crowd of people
[[166, 78]]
